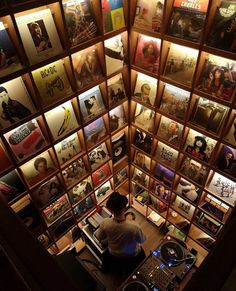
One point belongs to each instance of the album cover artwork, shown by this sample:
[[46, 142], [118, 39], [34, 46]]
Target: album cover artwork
[[157, 204], [145, 89], [26, 140], [116, 89], [142, 161], [199, 145], [47, 191], [14, 107], [226, 161], [100, 175], [112, 15], [170, 131], [193, 170], [140, 177], [68, 148], [206, 241], [62, 225], [81, 190], [74, 172], [222, 33], [94, 132], [218, 77], [187, 19], [27, 212], [98, 156], [5, 160], [120, 176], [140, 194], [143, 141], [208, 223], [80, 21], [61, 120], [209, 115], [149, 15], [9, 60], [164, 175], [118, 145], [103, 192], [188, 190], [224, 188], [147, 54], [183, 207], [11, 186], [161, 191], [39, 35], [87, 67], [56, 209], [175, 101], [144, 117], [38, 169], [231, 134], [84, 207], [115, 53], [117, 118], [52, 83], [166, 155], [180, 64], [91, 103]]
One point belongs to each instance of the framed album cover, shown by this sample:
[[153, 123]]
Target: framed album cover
[[193, 170], [39, 35], [11, 186], [117, 118], [15, 102], [62, 225], [112, 15], [100, 175], [87, 67], [120, 177], [81, 190], [160, 190], [183, 207], [207, 222], [61, 120], [209, 115], [38, 169], [149, 15], [84, 207], [145, 89], [223, 187], [140, 177], [180, 64], [68, 148], [91, 103], [80, 22], [9, 59], [115, 53], [231, 134], [218, 77], [116, 89], [157, 204], [56, 209], [147, 53], [74, 172], [140, 194], [188, 190], [164, 175], [199, 145], [46, 192], [5, 160], [103, 192], [118, 144], [94, 132], [52, 83], [143, 141], [26, 140], [166, 155], [226, 161], [144, 117], [142, 161], [98, 156], [170, 131], [174, 101]]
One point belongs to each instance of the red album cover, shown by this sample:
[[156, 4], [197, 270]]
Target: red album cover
[[101, 174]]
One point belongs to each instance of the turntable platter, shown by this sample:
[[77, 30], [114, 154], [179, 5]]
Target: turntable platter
[[171, 251], [135, 286]]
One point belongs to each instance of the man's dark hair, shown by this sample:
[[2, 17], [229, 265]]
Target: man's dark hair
[[38, 161], [116, 202], [2, 89]]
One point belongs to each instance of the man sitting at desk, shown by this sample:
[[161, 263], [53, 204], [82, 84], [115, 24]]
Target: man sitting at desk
[[124, 236]]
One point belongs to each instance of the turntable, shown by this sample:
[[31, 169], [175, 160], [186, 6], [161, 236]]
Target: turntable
[[175, 254]]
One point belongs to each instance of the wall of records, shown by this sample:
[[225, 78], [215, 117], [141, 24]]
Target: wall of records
[[135, 96]]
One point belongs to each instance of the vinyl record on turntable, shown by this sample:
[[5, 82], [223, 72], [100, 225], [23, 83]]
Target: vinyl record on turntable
[[135, 286], [172, 252]]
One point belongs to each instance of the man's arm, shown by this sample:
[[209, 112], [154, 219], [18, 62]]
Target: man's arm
[[100, 233]]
